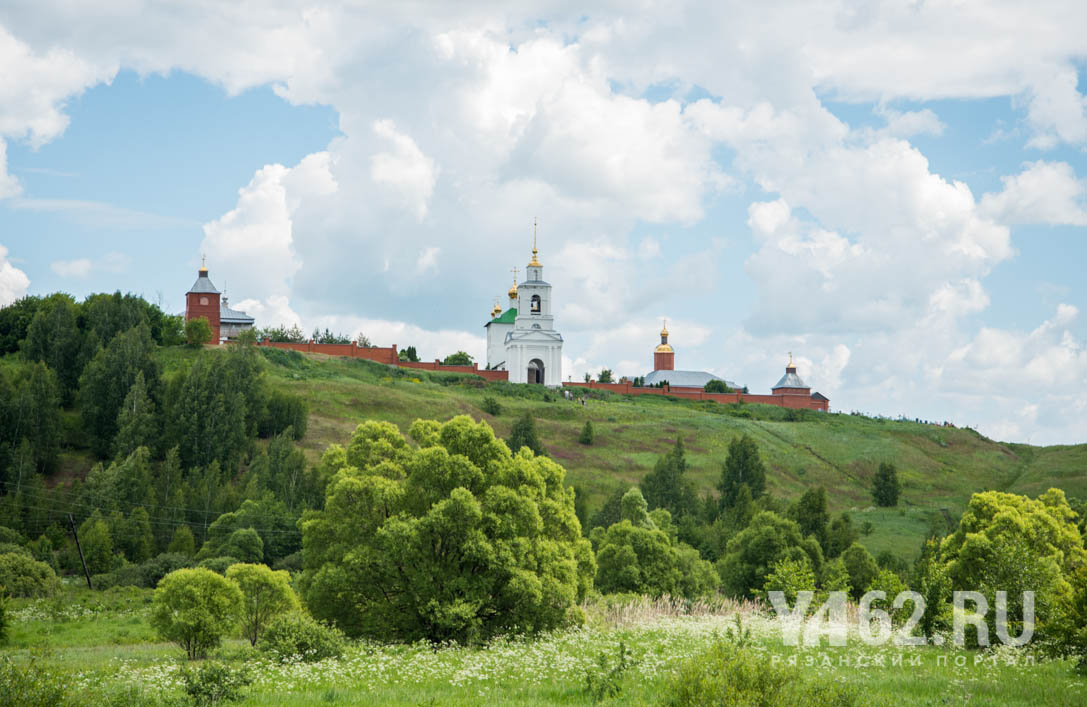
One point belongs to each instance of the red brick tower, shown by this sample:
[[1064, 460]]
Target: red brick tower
[[664, 358], [202, 300]]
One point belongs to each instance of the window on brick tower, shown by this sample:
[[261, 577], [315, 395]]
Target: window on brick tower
[[535, 306], [203, 300]]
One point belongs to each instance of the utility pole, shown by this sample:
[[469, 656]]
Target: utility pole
[[80, 548]]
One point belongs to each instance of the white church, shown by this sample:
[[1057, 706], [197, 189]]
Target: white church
[[522, 339]]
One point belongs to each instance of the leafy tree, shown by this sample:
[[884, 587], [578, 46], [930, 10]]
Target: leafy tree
[[491, 406], [840, 535], [523, 434], [29, 411], [55, 339], [717, 386], [208, 413], [297, 635], [862, 569], [108, 315], [97, 542], [198, 332], [459, 358], [285, 411], [183, 542], [587, 435], [636, 555], [286, 475], [581, 508], [107, 380], [243, 544], [751, 554], [743, 466], [789, 576], [328, 337], [137, 425], [611, 512], [194, 608], [457, 539], [1012, 543], [605, 376], [885, 487], [15, 319], [811, 514], [408, 354], [265, 594], [666, 487], [136, 541]]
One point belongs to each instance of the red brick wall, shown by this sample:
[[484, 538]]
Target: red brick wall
[[799, 402], [210, 311], [387, 355]]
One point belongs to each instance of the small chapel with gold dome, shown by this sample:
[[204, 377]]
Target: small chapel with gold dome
[[522, 339]]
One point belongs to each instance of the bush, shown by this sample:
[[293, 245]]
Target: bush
[[3, 618], [862, 569], [29, 685], [604, 680], [885, 487], [298, 635], [717, 386], [194, 608], [23, 576], [491, 406], [729, 674], [587, 435], [197, 332], [523, 434], [214, 683]]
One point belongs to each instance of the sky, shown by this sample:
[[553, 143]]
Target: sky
[[896, 192]]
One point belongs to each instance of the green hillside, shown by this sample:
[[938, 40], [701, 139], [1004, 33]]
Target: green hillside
[[939, 467]]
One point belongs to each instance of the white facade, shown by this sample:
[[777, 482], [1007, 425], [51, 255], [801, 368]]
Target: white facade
[[497, 329], [533, 348]]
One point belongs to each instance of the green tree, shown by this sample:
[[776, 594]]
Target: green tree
[[717, 386], [789, 576], [666, 487], [862, 569], [285, 411], [183, 541], [207, 416], [457, 539], [408, 354], [137, 424], [54, 338], [198, 332], [605, 376], [587, 437], [1006, 542], [840, 535], [885, 487], [23, 576], [107, 380], [265, 594], [743, 466], [195, 608], [459, 358], [811, 515], [29, 411], [523, 434], [137, 542], [753, 552], [611, 512], [243, 544], [97, 542], [637, 555], [15, 320]]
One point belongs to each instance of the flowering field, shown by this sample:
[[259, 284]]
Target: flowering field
[[102, 648]]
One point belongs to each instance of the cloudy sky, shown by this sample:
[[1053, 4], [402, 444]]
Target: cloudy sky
[[895, 191]]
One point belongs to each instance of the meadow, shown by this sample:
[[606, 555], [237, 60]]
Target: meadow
[[99, 646]]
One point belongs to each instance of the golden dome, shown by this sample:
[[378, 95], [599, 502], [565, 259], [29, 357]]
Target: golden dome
[[513, 291], [664, 330], [663, 348], [496, 311]]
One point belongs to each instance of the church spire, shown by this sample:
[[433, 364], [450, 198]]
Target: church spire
[[535, 261]]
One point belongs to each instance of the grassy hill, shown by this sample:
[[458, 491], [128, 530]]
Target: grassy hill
[[939, 467]]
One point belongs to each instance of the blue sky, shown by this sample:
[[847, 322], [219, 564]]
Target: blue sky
[[909, 221]]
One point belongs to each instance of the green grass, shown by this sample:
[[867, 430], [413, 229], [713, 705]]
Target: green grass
[[546, 670], [939, 467]]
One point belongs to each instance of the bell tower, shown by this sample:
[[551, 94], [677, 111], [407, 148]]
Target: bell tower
[[664, 358], [202, 300]]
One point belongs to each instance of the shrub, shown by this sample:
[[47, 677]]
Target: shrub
[[604, 680], [183, 541], [885, 487], [729, 674], [194, 608], [523, 434], [587, 435], [789, 576], [266, 595], [862, 569], [431, 542], [214, 683], [491, 406], [244, 544], [23, 576], [7, 548], [298, 635], [29, 685], [717, 386]]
